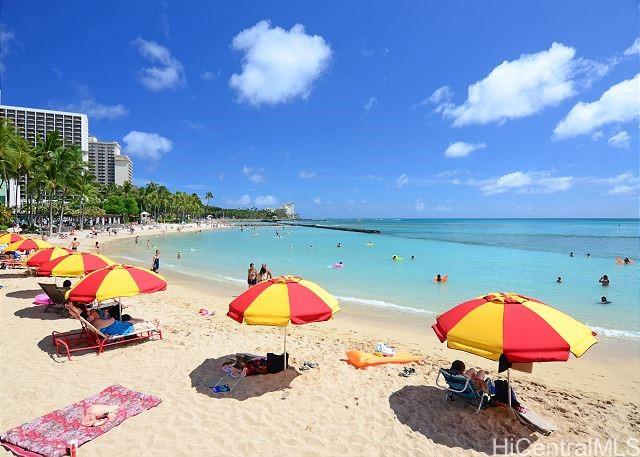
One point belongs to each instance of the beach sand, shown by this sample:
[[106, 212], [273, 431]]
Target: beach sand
[[331, 410]]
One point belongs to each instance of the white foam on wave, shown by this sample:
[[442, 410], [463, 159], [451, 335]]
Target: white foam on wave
[[384, 304], [126, 257], [615, 333], [231, 279]]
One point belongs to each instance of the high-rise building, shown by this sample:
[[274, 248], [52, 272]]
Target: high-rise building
[[123, 170], [109, 166], [32, 123], [289, 209]]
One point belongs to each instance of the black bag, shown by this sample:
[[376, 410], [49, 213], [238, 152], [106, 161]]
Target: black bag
[[502, 393], [276, 363]]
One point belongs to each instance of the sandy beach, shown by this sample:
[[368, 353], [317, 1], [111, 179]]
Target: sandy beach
[[333, 409]]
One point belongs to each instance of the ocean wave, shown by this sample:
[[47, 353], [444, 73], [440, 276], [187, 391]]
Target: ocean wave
[[384, 304], [231, 279], [614, 333]]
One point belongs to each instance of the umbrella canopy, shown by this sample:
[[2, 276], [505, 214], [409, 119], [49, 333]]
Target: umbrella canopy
[[7, 238], [27, 244], [74, 265], [45, 255], [522, 328], [115, 281], [281, 300]]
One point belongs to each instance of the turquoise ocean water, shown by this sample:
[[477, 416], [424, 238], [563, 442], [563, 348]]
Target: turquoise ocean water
[[480, 256]]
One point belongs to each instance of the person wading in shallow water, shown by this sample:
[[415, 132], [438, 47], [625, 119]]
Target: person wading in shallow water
[[155, 266]]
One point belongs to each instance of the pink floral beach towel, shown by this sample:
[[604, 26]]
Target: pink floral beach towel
[[50, 434]]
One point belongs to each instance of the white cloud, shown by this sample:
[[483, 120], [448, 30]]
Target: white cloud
[[633, 49], [278, 65], [146, 145], [620, 140], [402, 180], [97, 110], [622, 184], [462, 149], [522, 182], [193, 125], [369, 104], [419, 206], [7, 35], [243, 201], [597, 135], [304, 174], [209, 75], [521, 87], [317, 201], [253, 174], [266, 201], [620, 103], [167, 74], [220, 176]]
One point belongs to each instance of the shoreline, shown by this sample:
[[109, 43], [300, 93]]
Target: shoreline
[[378, 323]]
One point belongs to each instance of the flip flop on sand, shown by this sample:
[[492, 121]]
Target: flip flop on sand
[[407, 371], [310, 364]]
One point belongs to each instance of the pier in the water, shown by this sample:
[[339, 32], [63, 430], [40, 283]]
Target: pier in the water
[[327, 227]]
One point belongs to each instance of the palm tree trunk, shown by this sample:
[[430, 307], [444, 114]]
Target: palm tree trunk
[[61, 212], [51, 214], [82, 214]]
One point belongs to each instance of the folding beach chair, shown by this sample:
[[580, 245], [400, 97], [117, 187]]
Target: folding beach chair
[[91, 338], [461, 386], [56, 295]]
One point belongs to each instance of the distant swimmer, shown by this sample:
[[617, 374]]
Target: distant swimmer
[[179, 255], [148, 244], [311, 246], [394, 258], [291, 246], [604, 280], [337, 265], [413, 257], [137, 239], [440, 278], [627, 261], [559, 280], [370, 243], [604, 300], [339, 245], [588, 255], [571, 254]]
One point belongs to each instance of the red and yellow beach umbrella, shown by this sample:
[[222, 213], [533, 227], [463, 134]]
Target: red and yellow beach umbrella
[[116, 281], [521, 329], [8, 238], [74, 265], [45, 255], [281, 300], [28, 244]]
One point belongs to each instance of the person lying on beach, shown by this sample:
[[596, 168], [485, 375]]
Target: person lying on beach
[[111, 327], [604, 280]]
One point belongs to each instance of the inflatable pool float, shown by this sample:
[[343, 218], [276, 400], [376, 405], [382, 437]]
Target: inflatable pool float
[[337, 265], [621, 261], [42, 300], [397, 258], [442, 279], [360, 359]]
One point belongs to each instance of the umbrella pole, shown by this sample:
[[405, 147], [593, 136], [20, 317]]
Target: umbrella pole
[[509, 390], [120, 306], [285, 347]]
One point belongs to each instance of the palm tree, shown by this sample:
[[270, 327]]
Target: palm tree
[[208, 196], [86, 190]]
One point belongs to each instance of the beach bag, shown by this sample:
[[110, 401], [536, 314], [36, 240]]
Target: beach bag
[[276, 363]]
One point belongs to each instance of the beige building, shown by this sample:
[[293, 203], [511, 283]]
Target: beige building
[[109, 165], [123, 168]]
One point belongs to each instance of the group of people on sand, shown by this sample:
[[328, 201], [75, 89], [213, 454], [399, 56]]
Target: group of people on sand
[[255, 276]]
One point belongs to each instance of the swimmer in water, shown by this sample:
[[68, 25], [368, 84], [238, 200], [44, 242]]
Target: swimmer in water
[[311, 246], [147, 244], [413, 257], [604, 280], [559, 280], [604, 300], [571, 254], [394, 258], [438, 278], [627, 261], [179, 255], [588, 255], [338, 245], [137, 239]]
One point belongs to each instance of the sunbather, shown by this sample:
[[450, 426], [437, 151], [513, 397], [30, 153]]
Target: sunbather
[[245, 366], [112, 327]]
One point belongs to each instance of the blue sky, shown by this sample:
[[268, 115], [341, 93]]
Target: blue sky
[[350, 109]]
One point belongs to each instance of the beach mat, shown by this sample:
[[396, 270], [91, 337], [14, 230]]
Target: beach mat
[[535, 422], [50, 434]]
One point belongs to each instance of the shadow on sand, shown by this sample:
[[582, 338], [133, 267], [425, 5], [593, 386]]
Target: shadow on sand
[[209, 372], [31, 293], [37, 312], [453, 424]]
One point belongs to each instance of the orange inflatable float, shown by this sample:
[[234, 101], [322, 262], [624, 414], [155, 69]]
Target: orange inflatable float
[[361, 359], [621, 261]]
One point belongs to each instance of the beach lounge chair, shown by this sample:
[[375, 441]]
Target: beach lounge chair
[[461, 386], [56, 295], [91, 338]]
